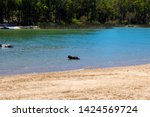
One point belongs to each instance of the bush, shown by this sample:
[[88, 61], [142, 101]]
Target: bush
[[112, 22], [83, 19], [76, 21]]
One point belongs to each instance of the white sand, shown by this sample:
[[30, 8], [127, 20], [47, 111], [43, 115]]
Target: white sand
[[111, 83]]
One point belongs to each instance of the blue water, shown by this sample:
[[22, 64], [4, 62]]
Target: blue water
[[47, 50]]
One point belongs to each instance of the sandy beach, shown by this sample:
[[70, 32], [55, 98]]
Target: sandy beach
[[120, 83]]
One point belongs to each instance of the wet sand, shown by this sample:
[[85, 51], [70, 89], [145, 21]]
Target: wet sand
[[120, 83]]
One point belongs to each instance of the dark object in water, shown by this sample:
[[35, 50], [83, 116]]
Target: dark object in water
[[6, 46], [73, 57]]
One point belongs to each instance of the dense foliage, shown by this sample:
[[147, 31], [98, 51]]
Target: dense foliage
[[32, 12]]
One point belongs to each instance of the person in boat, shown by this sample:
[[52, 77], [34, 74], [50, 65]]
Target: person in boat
[[73, 57]]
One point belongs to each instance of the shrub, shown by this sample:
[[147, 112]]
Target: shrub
[[76, 21]]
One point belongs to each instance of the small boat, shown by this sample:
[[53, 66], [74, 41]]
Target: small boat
[[73, 57]]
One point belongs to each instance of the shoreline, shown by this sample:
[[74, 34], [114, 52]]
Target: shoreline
[[71, 70], [121, 83], [72, 26]]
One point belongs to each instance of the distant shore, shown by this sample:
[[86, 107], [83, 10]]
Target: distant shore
[[19, 27], [93, 26], [72, 26], [104, 83]]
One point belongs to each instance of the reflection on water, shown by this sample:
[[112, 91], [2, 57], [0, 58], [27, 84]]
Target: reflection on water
[[47, 50]]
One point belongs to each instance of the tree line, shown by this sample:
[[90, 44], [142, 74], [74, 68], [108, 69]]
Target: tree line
[[33, 12]]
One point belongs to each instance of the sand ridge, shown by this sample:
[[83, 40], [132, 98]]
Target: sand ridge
[[119, 83]]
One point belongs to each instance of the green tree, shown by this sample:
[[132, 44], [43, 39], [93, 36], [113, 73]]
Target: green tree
[[32, 12], [1, 11]]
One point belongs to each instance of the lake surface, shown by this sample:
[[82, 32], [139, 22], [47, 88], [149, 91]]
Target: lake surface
[[47, 50]]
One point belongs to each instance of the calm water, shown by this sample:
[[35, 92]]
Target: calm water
[[47, 50]]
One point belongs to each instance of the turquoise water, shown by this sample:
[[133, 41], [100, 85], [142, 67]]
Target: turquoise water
[[47, 50]]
